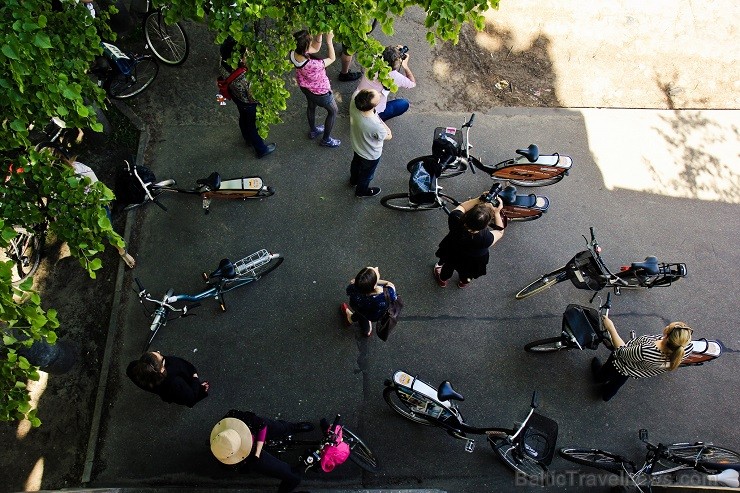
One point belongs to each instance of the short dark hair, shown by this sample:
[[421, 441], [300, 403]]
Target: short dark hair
[[364, 100], [302, 41], [477, 218], [365, 280], [148, 371]]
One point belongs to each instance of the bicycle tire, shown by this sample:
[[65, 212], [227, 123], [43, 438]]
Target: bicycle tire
[[549, 345], [708, 458], [530, 468], [598, 459], [143, 73], [268, 266], [545, 282], [537, 183], [400, 202], [457, 168], [360, 453], [168, 43], [390, 396], [27, 257]]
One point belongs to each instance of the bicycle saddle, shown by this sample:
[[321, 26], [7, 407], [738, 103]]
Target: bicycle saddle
[[445, 392], [225, 269], [650, 265], [509, 196], [213, 182], [532, 153]]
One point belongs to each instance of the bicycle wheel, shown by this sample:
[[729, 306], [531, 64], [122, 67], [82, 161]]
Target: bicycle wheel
[[390, 396], [141, 75], [400, 202], [708, 458], [269, 266], [506, 451], [537, 183], [457, 168], [360, 453], [25, 251], [545, 282], [599, 459], [168, 43], [551, 345]]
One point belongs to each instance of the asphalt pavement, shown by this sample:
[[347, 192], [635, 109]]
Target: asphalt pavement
[[651, 182]]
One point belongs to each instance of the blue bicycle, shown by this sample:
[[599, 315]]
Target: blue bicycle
[[227, 277]]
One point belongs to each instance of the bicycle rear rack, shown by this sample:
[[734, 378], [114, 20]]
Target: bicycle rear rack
[[247, 265]]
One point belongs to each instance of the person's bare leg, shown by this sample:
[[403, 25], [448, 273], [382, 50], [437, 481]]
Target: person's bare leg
[[345, 75]]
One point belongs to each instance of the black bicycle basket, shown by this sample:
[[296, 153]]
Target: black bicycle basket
[[422, 183], [127, 187], [446, 144], [584, 272], [585, 325], [538, 439]]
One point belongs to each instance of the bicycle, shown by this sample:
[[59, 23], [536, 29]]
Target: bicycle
[[661, 460], [168, 42], [24, 250], [582, 328], [587, 270], [312, 456], [425, 195], [212, 186], [527, 449], [451, 147], [124, 75], [227, 277]]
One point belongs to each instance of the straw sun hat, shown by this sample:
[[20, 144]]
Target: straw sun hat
[[231, 440]]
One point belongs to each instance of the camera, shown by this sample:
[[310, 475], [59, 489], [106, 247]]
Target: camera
[[404, 50]]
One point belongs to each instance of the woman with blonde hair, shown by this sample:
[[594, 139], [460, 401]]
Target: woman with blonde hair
[[645, 356]]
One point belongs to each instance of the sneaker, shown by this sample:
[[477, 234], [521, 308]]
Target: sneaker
[[437, 272], [371, 192], [595, 366], [331, 142], [461, 284], [312, 134], [268, 150], [349, 76]]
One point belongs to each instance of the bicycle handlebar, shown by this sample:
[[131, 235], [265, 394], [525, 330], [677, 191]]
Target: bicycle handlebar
[[138, 283], [469, 123]]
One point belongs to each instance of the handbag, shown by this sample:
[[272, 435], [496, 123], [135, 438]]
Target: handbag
[[390, 318]]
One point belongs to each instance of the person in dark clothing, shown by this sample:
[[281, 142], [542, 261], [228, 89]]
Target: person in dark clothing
[[237, 441], [367, 299], [241, 94], [465, 248], [171, 378]]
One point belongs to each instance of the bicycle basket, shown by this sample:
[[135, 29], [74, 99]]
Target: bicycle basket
[[127, 187], [584, 324], [447, 142], [538, 439], [584, 272], [422, 184]]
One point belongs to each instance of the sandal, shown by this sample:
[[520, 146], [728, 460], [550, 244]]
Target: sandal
[[128, 259]]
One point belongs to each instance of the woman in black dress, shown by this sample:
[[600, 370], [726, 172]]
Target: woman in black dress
[[465, 248]]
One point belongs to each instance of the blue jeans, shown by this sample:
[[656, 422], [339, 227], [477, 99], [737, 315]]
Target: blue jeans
[[394, 108], [248, 125], [327, 102], [361, 172]]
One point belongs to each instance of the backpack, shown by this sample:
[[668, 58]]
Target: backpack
[[223, 84]]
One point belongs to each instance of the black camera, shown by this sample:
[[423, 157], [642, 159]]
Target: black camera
[[404, 50]]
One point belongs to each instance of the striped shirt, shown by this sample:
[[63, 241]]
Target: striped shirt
[[641, 358]]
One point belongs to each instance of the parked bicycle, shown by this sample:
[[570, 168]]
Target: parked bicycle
[[587, 270], [720, 464], [24, 250], [227, 277], [168, 42], [124, 75], [451, 148], [582, 328], [425, 194], [527, 449], [314, 450], [212, 186]]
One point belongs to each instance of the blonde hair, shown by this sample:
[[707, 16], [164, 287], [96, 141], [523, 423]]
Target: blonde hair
[[676, 336]]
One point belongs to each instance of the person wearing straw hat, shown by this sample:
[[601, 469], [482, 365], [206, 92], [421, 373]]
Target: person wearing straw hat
[[237, 442]]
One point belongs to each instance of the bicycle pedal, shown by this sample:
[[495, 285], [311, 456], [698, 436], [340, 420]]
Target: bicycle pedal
[[469, 445]]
